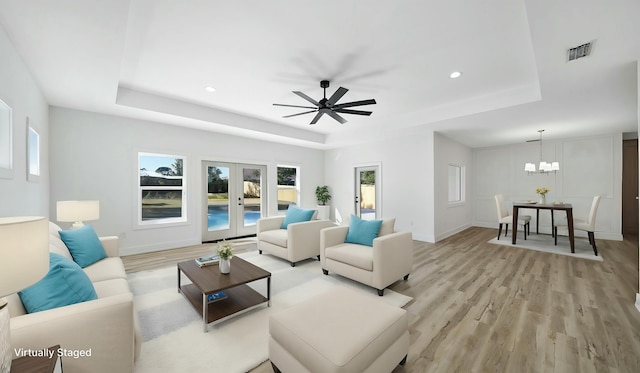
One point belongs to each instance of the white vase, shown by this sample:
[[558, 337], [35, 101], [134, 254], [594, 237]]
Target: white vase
[[324, 212], [225, 266], [543, 200]]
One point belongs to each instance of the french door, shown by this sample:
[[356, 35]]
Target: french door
[[367, 201], [234, 199]]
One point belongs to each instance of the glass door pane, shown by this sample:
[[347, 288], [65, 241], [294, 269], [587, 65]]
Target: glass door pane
[[218, 198], [251, 203], [367, 193]]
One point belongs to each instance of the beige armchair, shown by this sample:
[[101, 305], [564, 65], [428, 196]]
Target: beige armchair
[[298, 242], [389, 259]]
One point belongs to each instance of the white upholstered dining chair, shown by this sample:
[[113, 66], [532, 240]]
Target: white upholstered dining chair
[[505, 218], [588, 225]]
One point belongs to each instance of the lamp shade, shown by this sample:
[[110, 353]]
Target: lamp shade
[[75, 211], [24, 252]]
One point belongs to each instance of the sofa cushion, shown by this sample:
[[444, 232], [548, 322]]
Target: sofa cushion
[[362, 231], [84, 245], [296, 215], [277, 237], [356, 255], [57, 246], [106, 269], [64, 284], [387, 227]]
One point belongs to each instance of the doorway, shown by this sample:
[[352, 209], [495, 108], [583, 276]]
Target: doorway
[[630, 187], [367, 201], [233, 199]]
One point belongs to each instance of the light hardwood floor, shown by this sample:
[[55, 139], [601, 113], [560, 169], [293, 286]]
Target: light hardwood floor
[[480, 307]]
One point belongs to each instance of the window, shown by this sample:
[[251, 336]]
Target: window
[[6, 141], [161, 189], [33, 153], [456, 184], [288, 187]]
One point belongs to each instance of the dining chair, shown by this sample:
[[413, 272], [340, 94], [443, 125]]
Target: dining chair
[[505, 218], [588, 225]]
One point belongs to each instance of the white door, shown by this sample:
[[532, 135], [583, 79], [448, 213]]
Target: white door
[[367, 200], [233, 199]]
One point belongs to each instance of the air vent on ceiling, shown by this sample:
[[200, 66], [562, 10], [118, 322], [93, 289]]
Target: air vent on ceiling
[[578, 52]]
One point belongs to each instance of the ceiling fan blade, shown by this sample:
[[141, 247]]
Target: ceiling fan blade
[[317, 117], [337, 95], [304, 107], [349, 111], [295, 115], [307, 98], [355, 103], [337, 117]]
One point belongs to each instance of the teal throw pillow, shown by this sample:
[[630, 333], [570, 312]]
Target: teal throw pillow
[[64, 284], [84, 245], [296, 215], [363, 231]]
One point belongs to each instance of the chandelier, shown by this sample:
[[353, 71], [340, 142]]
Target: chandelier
[[544, 167]]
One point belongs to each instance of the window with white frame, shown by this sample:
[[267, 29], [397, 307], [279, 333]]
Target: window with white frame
[[162, 189], [456, 184], [288, 187], [6, 141]]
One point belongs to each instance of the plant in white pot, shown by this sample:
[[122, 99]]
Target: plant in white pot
[[225, 251], [323, 196]]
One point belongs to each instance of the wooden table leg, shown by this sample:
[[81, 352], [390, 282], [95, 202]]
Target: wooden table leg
[[514, 226], [570, 227], [537, 220]]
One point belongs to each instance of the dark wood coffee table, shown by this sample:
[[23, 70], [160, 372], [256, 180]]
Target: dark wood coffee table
[[208, 280]]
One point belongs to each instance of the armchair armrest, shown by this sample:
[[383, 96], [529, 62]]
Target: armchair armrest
[[331, 237], [111, 245], [103, 327], [269, 224], [392, 258]]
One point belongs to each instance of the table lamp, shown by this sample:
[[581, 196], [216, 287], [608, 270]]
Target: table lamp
[[24, 260], [78, 211]]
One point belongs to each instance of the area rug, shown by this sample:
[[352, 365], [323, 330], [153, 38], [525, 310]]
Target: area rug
[[544, 242], [172, 331]]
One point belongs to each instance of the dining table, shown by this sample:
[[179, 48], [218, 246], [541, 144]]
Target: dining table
[[566, 207]]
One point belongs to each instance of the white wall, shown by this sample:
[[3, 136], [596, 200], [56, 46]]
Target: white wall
[[406, 176], [94, 156], [18, 90], [589, 166], [451, 218]]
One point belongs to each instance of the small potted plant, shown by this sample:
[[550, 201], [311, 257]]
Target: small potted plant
[[542, 191], [323, 196], [225, 250]]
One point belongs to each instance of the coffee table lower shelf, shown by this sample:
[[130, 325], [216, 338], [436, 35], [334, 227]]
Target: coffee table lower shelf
[[240, 299]]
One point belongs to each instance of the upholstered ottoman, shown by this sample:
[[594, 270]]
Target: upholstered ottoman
[[339, 331]]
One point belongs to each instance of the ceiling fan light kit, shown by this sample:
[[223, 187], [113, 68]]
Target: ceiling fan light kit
[[544, 167], [329, 105]]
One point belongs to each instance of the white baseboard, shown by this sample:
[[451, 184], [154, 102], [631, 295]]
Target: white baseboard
[[638, 301], [442, 236], [424, 237], [124, 251]]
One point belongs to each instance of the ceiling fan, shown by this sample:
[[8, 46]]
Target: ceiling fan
[[330, 106]]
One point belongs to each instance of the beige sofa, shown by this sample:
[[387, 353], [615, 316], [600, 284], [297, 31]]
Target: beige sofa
[[298, 242], [106, 328], [389, 259]]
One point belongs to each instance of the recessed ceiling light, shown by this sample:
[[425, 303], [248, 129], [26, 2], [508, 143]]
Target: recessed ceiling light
[[209, 89], [455, 74]]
